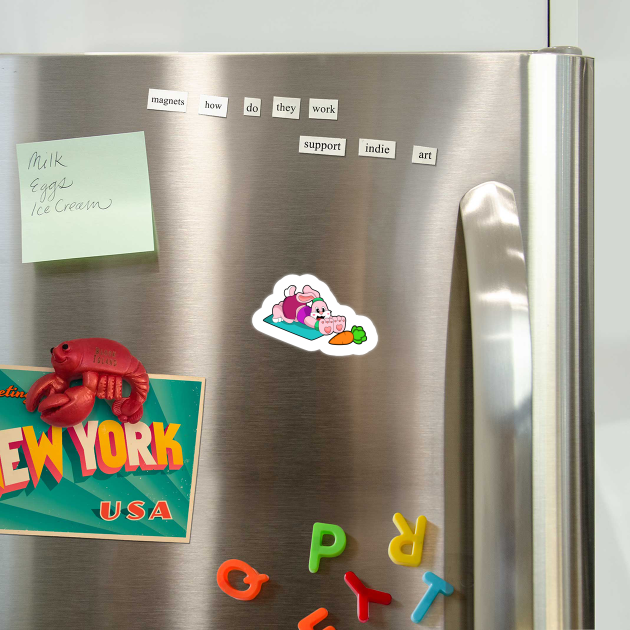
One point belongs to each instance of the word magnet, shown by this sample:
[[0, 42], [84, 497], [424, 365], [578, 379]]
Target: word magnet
[[407, 537], [252, 577], [319, 551], [251, 106], [213, 105]]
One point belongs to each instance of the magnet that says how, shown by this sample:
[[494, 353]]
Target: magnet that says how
[[407, 537], [319, 550], [252, 577]]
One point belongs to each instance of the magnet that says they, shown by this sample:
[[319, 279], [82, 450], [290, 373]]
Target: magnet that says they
[[319, 550], [252, 577], [407, 537], [303, 311], [285, 107], [309, 623]]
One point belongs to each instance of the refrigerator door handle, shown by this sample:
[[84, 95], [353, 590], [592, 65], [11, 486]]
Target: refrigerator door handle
[[502, 374]]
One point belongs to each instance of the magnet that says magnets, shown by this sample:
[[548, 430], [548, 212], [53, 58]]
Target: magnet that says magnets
[[319, 551], [436, 586], [308, 623], [252, 577], [407, 537], [365, 595]]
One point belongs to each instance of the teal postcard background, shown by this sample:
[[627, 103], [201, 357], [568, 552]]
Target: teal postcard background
[[72, 505]]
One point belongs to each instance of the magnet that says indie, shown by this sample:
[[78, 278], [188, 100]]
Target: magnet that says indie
[[319, 550], [252, 577], [309, 623], [407, 537]]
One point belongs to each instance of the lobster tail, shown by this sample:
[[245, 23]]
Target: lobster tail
[[130, 409]]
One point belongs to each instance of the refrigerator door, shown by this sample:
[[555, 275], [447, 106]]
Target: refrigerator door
[[290, 437]]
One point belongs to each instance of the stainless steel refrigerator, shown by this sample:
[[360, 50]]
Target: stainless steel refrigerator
[[474, 409]]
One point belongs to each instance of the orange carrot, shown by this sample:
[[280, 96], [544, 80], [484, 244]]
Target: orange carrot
[[342, 339]]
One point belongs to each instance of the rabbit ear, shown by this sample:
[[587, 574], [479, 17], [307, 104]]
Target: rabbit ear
[[304, 297], [310, 291]]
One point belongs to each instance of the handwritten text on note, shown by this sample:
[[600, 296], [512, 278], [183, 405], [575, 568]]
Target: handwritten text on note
[[85, 197]]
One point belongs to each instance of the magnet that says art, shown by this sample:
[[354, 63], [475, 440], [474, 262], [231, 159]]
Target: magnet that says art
[[252, 577], [303, 311], [103, 364], [407, 537]]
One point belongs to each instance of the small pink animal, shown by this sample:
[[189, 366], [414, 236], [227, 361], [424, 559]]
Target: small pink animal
[[309, 309]]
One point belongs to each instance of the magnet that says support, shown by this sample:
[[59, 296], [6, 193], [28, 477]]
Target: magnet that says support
[[436, 586], [407, 537], [365, 596], [319, 551], [252, 577], [308, 623]]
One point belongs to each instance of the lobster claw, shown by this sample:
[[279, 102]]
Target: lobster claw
[[43, 386], [68, 408]]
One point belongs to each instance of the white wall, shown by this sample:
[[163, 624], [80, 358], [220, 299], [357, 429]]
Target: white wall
[[604, 27], [270, 25]]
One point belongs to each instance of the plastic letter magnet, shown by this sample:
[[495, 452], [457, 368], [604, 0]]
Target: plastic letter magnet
[[436, 586], [365, 596], [252, 577], [407, 537], [308, 623], [319, 551]]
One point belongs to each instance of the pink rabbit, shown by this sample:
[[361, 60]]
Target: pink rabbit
[[309, 309]]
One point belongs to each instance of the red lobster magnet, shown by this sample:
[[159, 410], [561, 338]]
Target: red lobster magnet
[[102, 364]]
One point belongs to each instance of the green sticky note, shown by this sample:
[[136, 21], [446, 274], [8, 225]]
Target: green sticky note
[[85, 197]]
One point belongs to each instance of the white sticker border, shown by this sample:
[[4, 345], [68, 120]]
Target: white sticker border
[[352, 319]]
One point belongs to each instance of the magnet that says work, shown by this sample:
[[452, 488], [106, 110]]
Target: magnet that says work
[[309, 623], [319, 550], [436, 586], [407, 537], [252, 577]]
